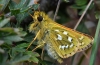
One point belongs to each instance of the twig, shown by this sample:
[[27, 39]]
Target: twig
[[83, 14], [56, 10], [80, 21]]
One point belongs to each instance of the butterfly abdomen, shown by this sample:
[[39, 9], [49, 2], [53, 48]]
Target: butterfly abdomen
[[51, 52]]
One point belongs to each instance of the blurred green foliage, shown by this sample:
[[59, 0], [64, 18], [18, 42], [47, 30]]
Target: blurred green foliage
[[14, 38]]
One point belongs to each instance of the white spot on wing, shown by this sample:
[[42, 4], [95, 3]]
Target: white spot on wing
[[59, 37], [81, 38], [71, 45], [63, 47], [66, 46], [82, 43], [69, 39], [57, 30], [65, 32]]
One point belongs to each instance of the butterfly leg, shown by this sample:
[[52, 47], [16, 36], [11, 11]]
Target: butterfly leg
[[42, 49], [38, 46], [42, 53], [33, 39]]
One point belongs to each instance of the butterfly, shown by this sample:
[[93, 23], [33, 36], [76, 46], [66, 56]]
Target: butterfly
[[59, 41]]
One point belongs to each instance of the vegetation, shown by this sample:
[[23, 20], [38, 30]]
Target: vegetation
[[15, 37]]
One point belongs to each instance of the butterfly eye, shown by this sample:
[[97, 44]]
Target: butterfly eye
[[40, 18]]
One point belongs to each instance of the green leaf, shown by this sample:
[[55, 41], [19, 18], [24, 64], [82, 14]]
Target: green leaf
[[19, 58], [81, 2], [21, 9], [33, 56], [20, 31], [16, 50], [10, 35], [1, 50], [35, 6], [3, 59], [95, 45], [1, 42], [97, 14], [29, 37], [32, 53], [7, 31], [21, 46], [12, 38], [4, 22], [3, 4], [34, 59], [19, 55], [15, 8], [78, 7]]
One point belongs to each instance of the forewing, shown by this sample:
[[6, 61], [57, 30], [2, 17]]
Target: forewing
[[85, 40], [64, 44], [66, 41]]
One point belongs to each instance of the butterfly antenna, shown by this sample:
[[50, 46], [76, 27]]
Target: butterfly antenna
[[30, 14]]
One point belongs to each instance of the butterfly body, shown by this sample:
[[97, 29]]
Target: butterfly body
[[59, 41], [52, 53]]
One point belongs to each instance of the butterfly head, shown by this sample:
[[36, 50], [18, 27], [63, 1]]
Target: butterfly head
[[38, 16], [39, 19]]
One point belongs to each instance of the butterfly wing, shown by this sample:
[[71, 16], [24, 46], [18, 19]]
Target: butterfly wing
[[85, 41], [63, 47], [66, 41]]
